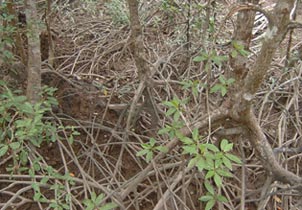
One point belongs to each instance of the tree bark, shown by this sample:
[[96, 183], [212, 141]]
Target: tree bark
[[242, 100], [34, 53]]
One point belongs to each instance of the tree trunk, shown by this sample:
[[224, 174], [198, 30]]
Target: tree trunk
[[34, 53]]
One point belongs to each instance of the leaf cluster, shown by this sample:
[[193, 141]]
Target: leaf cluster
[[222, 86], [95, 202]]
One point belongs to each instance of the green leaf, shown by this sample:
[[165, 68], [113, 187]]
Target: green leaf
[[195, 135], [152, 142], [212, 147], [70, 139], [162, 149], [3, 150], [109, 206], [230, 81], [227, 162], [36, 167], [219, 59], [221, 78], [163, 131], [210, 174], [65, 206], [99, 199], [206, 198], [186, 140], [176, 116], [201, 164], [223, 91], [234, 53], [20, 99], [223, 143], [86, 202], [15, 145], [31, 172], [233, 158], [210, 204], [199, 58], [27, 108], [149, 156], [228, 147], [223, 173], [146, 146], [24, 157], [89, 204], [93, 196], [216, 88], [142, 153], [192, 162], [209, 187], [44, 180], [217, 180], [37, 196], [244, 52], [191, 149], [170, 111], [221, 198], [168, 103], [218, 162]]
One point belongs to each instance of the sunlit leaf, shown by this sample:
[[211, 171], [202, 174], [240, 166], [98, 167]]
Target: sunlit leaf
[[99, 198], [176, 116], [227, 163], [15, 145], [109, 206], [195, 134], [170, 111], [217, 180], [142, 153], [201, 164], [212, 147], [210, 204], [206, 198], [209, 187], [149, 156], [186, 140], [210, 174], [3, 150], [190, 149], [223, 91], [233, 158], [224, 173], [162, 149], [215, 88], [221, 198]]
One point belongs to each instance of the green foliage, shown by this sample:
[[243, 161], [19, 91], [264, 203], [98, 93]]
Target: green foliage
[[222, 87], [118, 11], [149, 148], [6, 33], [193, 86], [22, 122], [215, 162], [95, 202], [174, 107], [238, 49], [169, 7], [22, 127], [211, 57], [61, 199]]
